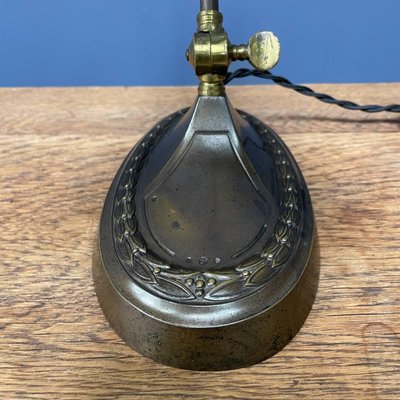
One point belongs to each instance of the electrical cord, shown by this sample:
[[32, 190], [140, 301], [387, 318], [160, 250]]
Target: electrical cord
[[306, 91]]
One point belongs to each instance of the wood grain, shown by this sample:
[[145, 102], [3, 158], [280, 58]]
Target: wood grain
[[60, 148]]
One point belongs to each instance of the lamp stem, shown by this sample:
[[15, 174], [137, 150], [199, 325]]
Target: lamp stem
[[209, 5]]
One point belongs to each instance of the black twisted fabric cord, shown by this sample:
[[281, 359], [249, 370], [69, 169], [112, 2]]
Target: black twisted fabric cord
[[281, 81]]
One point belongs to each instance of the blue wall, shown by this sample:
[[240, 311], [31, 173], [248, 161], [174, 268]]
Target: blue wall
[[119, 42]]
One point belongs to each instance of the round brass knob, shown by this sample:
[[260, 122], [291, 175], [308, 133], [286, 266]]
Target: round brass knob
[[264, 50]]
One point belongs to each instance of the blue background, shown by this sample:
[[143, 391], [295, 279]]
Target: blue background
[[127, 42]]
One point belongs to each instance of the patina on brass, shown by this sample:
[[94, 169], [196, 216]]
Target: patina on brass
[[205, 254], [211, 52]]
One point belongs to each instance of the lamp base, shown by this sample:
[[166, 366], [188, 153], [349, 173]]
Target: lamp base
[[206, 257]]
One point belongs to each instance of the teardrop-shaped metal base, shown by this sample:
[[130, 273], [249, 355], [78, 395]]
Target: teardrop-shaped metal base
[[205, 255]]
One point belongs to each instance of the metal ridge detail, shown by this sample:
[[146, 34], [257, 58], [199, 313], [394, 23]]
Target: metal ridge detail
[[172, 282]]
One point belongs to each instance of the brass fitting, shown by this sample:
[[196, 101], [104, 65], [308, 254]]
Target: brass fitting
[[211, 52]]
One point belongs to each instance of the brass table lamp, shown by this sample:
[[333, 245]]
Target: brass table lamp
[[205, 254]]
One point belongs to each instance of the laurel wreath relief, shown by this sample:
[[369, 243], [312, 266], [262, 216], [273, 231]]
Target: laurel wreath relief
[[183, 285]]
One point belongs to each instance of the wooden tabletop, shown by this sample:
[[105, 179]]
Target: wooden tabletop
[[59, 150]]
